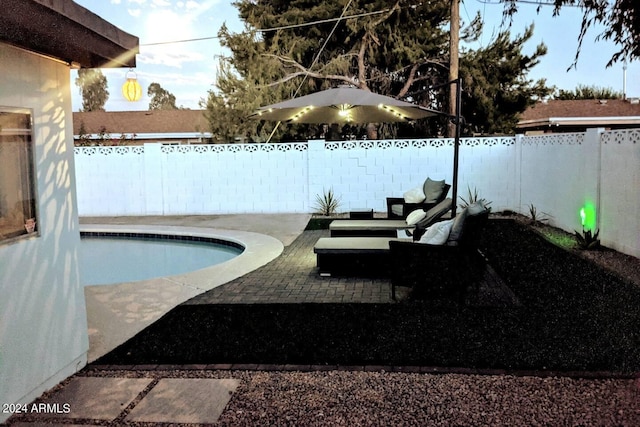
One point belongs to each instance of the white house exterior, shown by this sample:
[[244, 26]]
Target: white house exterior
[[43, 328]]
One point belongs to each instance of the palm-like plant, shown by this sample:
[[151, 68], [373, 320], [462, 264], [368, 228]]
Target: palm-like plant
[[327, 203]]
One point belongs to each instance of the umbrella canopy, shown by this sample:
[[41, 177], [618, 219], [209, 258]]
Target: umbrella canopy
[[343, 105]]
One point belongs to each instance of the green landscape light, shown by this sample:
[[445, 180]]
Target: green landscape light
[[588, 216]]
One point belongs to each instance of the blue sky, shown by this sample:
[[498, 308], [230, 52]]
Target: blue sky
[[188, 69]]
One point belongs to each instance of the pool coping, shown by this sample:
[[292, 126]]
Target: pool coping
[[117, 312]]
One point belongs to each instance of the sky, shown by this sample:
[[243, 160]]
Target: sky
[[188, 69]]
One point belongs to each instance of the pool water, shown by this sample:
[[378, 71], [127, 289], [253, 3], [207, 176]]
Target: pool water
[[108, 260]]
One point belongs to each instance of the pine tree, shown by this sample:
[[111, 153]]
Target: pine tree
[[395, 48], [496, 89]]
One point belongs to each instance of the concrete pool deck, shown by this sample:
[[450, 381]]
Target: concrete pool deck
[[116, 313]]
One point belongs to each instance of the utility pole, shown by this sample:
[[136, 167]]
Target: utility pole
[[454, 36]]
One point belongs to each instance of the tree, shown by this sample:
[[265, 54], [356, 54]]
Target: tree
[[357, 52], [242, 86], [621, 19], [588, 92], [395, 48], [161, 99], [93, 88], [496, 89]]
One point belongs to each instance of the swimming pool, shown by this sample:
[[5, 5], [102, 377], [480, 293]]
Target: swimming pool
[[109, 258]]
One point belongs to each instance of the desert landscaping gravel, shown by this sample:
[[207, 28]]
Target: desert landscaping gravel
[[359, 398]]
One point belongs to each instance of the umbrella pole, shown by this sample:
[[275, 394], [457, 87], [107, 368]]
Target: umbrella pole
[[275, 128], [456, 145]]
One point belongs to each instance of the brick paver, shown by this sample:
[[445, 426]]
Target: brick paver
[[293, 277]]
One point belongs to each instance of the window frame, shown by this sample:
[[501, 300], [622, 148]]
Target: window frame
[[30, 205]]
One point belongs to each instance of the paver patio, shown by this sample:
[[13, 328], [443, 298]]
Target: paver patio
[[293, 278]]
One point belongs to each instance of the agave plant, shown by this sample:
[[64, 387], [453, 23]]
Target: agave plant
[[587, 240], [536, 217], [327, 203], [474, 198]]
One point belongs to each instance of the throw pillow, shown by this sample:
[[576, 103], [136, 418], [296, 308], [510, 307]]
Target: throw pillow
[[432, 190], [414, 196], [456, 229], [438, 233], [415, 217], [476, 208]]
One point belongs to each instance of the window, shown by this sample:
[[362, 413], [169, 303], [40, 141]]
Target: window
[[17, 186]]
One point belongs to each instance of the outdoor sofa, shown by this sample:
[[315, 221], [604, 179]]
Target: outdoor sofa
[[389, 227], [440, 263], [425, 197], [433, 271]]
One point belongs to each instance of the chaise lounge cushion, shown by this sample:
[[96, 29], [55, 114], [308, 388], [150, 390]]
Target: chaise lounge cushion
[[387, 227], [436, 212]]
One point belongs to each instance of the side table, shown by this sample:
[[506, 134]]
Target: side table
[[363, 213]]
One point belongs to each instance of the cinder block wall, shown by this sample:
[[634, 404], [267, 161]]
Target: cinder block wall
[[556, 173]]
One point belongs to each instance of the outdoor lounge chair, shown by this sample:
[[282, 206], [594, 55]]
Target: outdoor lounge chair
[[427, 268], [435, 192], [433, 271], [354, 256], [386, 227]]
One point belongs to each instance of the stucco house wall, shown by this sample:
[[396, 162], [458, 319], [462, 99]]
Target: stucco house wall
[[43, 328]]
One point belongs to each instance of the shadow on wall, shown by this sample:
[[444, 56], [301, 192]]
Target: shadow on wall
[[43, 333]]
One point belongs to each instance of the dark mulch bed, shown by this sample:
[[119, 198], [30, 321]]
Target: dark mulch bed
[[575, 316]]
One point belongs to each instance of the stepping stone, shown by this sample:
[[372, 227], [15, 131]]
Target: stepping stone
[[96, 398], [184, 401]]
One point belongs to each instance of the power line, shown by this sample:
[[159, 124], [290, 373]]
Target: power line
[[315, 60], [284, 27]]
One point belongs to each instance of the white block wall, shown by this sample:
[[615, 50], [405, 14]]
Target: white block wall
[[620, 191], [556, 173], [558, 176]]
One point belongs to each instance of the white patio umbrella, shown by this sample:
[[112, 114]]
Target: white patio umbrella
[[343, 105]]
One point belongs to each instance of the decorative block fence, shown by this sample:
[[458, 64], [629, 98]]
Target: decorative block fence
[[556, 173]]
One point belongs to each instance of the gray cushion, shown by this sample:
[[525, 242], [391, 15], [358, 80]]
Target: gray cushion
[[367, 224], [476, 208], [397, 210], [436, 212], [432, 190], [456, 230]]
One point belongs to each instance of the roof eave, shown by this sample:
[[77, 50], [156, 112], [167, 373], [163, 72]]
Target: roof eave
[[582, 121], [63, 30]]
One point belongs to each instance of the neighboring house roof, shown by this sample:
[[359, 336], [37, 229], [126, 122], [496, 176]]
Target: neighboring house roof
[[581, 114], [63, 30], [153, 124]]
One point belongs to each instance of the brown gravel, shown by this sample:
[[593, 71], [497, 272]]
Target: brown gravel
[[401, 399], [625, 266], [358, 398]]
